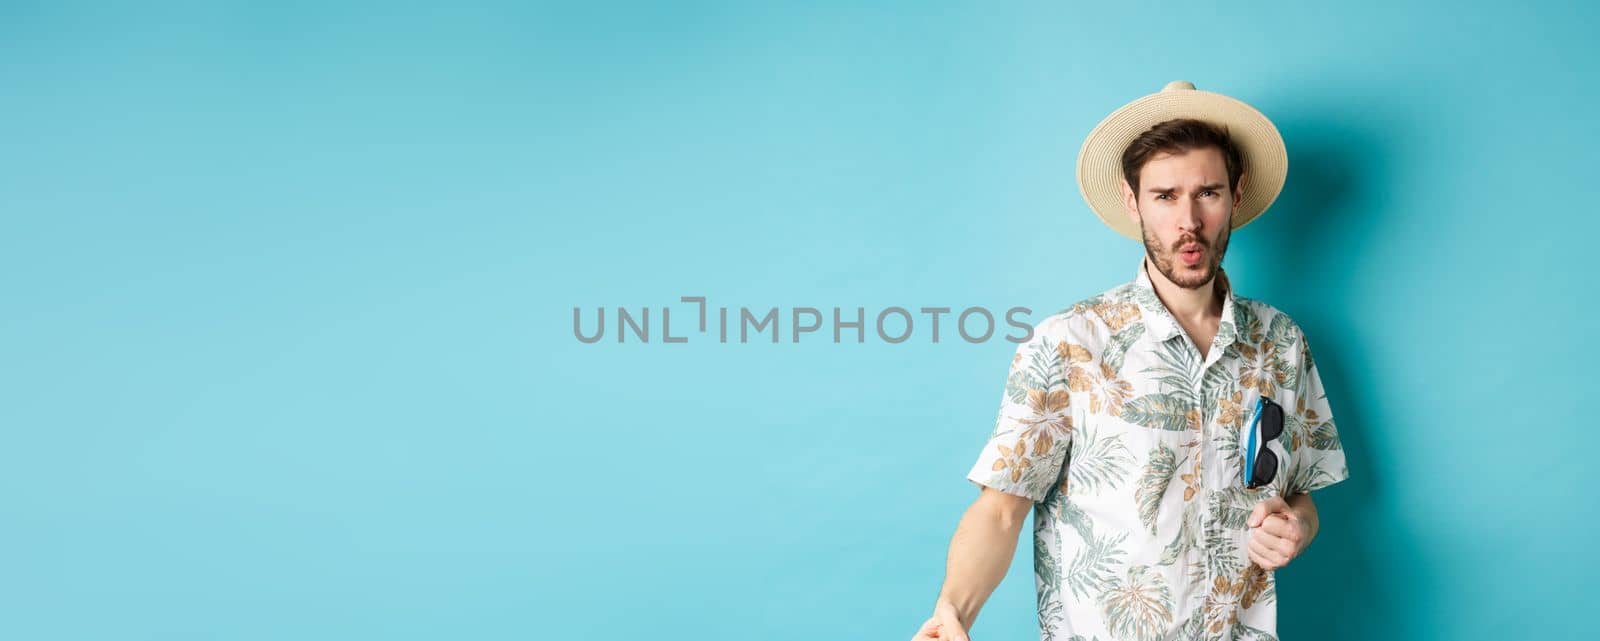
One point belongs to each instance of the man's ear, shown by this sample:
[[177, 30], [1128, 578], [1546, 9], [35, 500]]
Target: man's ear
[[1238, 192], [1130, 202]]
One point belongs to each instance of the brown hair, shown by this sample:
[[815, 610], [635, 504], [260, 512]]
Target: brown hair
[[1177, 136]]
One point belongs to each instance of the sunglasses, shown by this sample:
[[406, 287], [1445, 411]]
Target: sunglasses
[[1263, 467]]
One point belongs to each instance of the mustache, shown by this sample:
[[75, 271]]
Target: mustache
[[1190, 239]]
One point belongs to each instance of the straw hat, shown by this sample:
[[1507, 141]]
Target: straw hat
[[1266, 164]]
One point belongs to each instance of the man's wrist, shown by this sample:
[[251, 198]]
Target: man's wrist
[[1306, 516], [962, 613]]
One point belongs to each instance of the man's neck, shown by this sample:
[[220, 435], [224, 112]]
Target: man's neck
[[1191, 307]]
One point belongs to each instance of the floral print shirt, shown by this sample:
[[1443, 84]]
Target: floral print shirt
[[1131, 445]]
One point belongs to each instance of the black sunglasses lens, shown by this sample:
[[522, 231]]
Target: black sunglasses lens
[[1266, 469], [1271, 420]]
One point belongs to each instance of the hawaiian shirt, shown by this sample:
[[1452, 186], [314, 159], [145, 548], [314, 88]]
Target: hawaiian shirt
[[1131, 446]]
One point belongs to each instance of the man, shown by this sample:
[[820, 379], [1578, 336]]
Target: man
[[1166, 433]]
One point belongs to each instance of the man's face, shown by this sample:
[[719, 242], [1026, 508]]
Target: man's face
[[1184, 208]]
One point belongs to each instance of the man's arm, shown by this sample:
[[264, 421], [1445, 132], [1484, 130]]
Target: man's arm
[[980, 554]]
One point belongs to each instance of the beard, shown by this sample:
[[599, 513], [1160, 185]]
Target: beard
[[1166, 258]]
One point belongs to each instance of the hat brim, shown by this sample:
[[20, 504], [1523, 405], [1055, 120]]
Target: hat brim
[[1266, 163]]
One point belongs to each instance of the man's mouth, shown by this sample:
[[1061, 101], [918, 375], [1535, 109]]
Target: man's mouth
[[1191, 253]]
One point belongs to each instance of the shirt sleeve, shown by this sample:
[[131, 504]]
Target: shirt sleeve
[[1026, 452], [1318, 458]]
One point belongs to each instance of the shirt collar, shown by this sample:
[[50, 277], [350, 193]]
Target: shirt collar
[[1159, 322]]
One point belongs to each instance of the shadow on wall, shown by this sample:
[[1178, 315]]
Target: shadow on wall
[[1339, 178]]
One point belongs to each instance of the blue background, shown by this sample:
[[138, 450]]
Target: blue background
[[288, 287]]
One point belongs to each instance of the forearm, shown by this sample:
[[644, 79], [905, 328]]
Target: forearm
[[980, 554]]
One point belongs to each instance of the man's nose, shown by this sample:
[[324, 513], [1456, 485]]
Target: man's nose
[[1189, 215]]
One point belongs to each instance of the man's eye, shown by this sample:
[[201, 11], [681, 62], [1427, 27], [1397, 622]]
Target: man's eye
[[1160, 196], [1208, 192]]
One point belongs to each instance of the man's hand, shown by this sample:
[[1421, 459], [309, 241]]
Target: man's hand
[[1280, 533], [944, 625]]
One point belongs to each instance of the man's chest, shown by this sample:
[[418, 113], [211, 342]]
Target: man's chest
[[1157, 401]]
